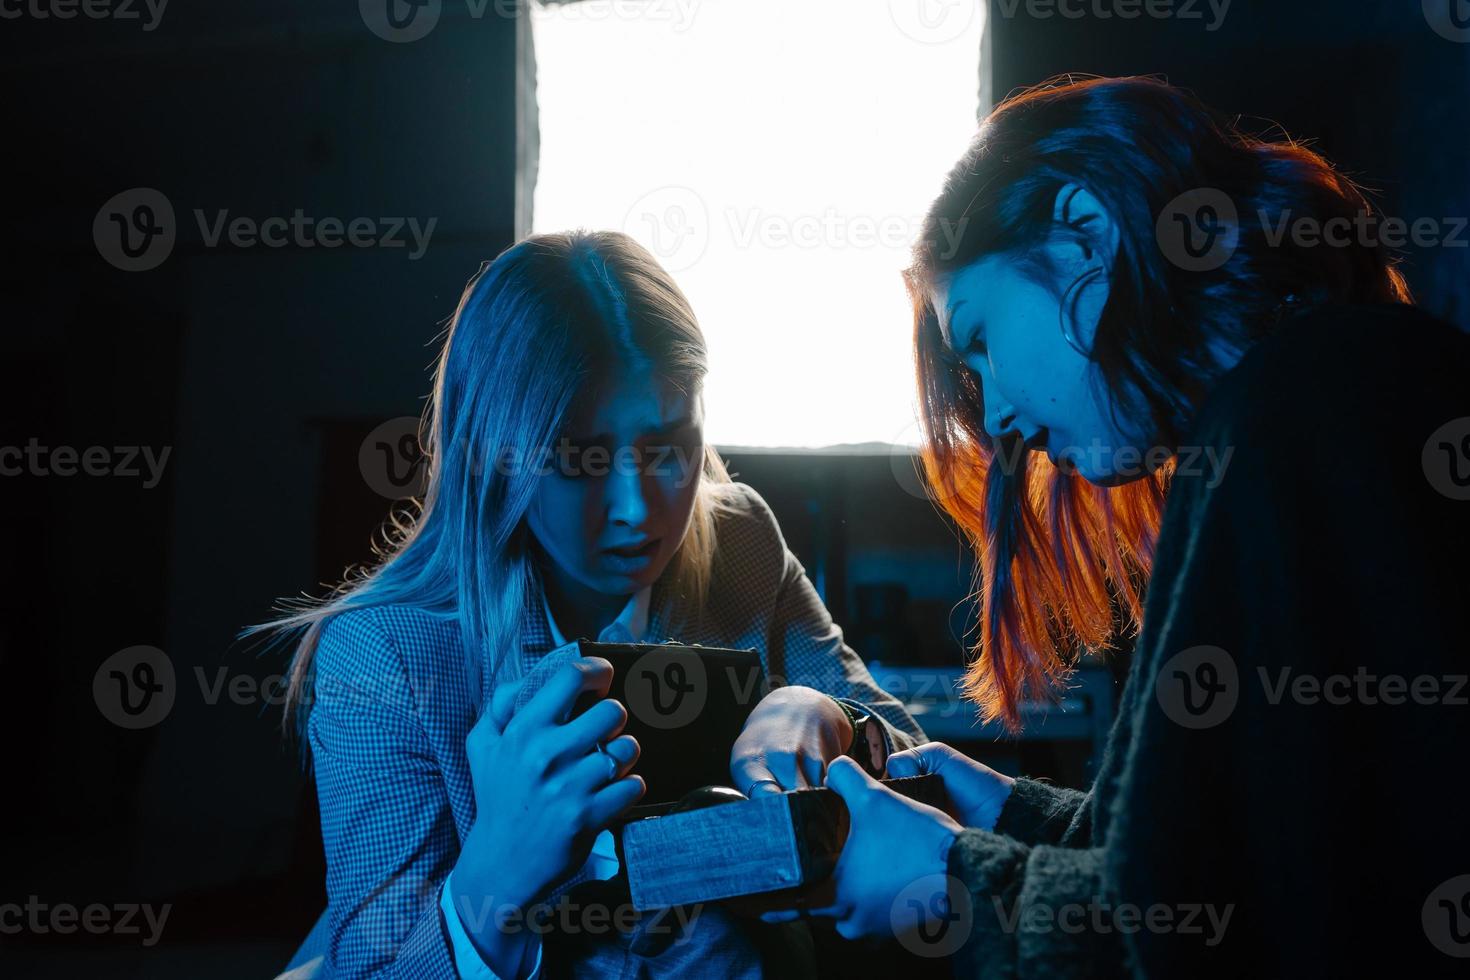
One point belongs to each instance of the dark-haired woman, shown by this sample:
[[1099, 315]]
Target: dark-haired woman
[[1123, 323]]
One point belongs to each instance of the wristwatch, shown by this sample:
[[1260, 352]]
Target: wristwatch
[[869, 747]]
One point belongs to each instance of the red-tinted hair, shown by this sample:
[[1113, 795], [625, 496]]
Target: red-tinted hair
[[1054, 551]]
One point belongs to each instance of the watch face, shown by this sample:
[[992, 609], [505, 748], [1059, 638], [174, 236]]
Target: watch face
[[868, 746], [877, 747]]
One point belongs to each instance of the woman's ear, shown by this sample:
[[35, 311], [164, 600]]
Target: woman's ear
[[1077, 208], [1086, 252]]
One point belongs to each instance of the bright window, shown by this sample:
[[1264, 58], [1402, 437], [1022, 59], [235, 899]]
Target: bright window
[[777, 156]]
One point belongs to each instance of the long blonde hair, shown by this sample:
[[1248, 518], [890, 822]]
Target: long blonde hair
[[531, 329]]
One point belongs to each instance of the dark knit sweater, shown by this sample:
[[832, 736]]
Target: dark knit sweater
[[1324, 816]]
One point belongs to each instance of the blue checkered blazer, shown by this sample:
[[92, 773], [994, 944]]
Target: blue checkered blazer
[[391, 711]]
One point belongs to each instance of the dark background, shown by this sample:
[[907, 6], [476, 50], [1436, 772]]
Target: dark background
[[263, 369]]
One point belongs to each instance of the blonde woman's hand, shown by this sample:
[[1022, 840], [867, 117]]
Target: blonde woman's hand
[[788, 740], [543, 787]]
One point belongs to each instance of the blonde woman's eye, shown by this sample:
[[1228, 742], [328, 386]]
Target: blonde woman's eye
[[660, 460]]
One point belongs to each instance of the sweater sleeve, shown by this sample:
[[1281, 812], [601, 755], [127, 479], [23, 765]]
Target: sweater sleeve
[[1030, 911], [1040, 813]]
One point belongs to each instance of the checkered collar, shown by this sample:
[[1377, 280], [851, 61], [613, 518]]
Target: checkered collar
[[538, 639]]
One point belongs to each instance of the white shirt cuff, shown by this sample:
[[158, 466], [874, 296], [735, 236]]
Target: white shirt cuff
[[467, 958]]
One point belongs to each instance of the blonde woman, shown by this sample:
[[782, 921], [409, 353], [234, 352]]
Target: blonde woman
[[570, 494]]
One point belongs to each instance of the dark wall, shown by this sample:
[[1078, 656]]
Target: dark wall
[[234, 360], [1373, 85]]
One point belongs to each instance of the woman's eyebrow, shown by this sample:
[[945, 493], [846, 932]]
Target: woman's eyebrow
[[674, 425]]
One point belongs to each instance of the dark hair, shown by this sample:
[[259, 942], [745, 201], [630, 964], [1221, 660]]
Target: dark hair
[[1050, 545]]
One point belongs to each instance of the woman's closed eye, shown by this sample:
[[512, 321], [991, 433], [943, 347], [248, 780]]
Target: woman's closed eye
[[961, 344], [974, 349]]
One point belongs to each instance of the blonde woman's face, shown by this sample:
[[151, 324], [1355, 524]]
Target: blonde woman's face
[[617, 500]]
